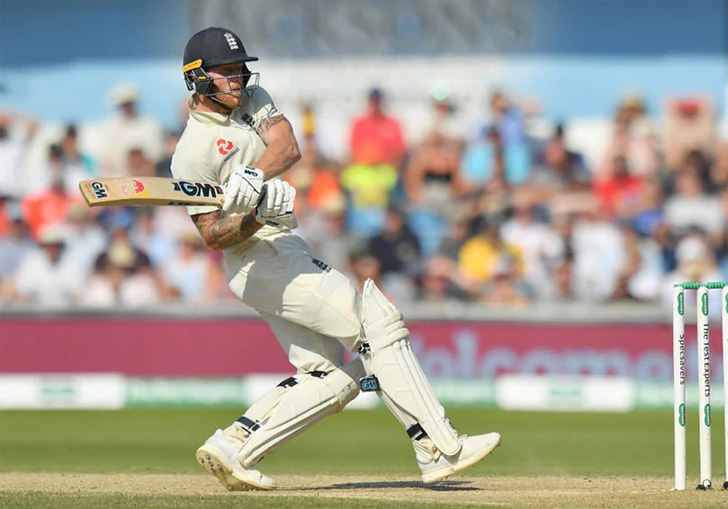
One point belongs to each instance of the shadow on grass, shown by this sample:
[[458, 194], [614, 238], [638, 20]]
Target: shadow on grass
[[440, 486]]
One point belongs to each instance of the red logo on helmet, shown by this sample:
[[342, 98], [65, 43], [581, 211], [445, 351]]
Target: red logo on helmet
[[224, 146], [139, 189]]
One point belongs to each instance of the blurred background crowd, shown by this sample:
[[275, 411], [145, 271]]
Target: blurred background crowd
[[504, 213], [499, 153]]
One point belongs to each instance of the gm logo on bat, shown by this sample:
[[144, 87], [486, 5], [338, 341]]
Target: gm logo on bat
[[99, 190], [197, 189]]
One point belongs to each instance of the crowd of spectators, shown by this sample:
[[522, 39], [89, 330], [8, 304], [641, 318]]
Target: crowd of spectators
[[512, 215]]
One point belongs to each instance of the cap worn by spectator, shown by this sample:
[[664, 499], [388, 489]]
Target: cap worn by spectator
[[124, 93], [691, 249], [122, 255], [56, 234]]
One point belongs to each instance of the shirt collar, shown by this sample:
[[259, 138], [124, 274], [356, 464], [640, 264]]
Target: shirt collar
[[207, 117]]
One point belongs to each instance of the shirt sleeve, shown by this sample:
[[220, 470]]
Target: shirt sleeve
[[260, 106], [188, 167]]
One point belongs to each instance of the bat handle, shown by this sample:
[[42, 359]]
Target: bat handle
[[263, 192]]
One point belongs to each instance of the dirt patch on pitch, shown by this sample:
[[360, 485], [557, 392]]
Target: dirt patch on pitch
[[541, 492]]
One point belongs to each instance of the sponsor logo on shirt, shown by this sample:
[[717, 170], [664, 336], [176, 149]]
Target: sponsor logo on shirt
[[231, 154], [224, 146]]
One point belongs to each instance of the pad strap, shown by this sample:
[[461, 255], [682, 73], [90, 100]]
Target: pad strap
[[416, 432], [249, 424]]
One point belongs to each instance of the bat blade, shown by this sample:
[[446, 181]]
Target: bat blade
[[148, 191]]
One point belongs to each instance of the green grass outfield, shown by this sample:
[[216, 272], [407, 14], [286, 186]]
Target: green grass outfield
[[368, 443]]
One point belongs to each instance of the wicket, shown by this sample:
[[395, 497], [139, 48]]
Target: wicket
[[680, 379]]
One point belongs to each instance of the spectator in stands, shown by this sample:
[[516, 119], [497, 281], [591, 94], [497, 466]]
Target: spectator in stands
[[109, 273], [558, 169], [723, 249], [692, 206], [46, 277], [509, 122], [377, 150], [442, 282], [164, 165], [695, 262], [444, 122], [77, 165], [598, 249], [362, 266], [719, 172], [495, 202], [540, 244], [507, 119], [632, 138], [87, 240], [216, 284], [368, 188], [482, 161], [395, 247], [490, 158], [16, 132], [51, 205], [479, 256], [144, 234], [122, 277], [648, 215], [563, 277], [619, 190], [315, 178], [127, 130], [700, 165], [187, 273], [432, 176], [139, 165], [506, 286], [641, 272], [15, 244], [68, 171], [456, 233], [142, 287], [325, 232], [6, 214], [689, 125], [376, 138]]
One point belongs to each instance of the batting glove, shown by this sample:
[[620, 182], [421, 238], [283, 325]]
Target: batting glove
[[243, 190], [276, 205]]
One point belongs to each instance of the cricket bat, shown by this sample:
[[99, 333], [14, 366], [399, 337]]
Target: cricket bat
[[147, 191]]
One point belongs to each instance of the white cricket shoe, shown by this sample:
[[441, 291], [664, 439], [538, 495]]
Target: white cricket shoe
[[218, 455], [436, 466]]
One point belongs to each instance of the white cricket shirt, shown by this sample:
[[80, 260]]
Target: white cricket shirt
[[212, 144]]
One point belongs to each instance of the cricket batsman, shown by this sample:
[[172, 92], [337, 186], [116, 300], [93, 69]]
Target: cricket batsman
[[236, 137]]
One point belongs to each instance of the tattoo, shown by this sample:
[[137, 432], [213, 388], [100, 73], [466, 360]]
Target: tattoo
[[220, 232], [269, 122]]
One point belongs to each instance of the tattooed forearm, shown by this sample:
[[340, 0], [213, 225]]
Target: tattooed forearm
[[220, 232], [269, 122]]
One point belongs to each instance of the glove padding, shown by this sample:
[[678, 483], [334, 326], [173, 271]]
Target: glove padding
[[243, 190], [276, 205]]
